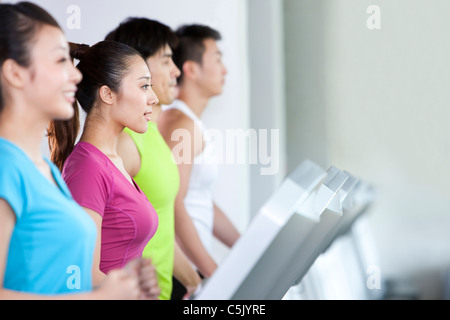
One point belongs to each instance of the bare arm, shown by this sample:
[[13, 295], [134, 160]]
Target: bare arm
[[97, 275], [183, 271], [224, 230], [186, 233]]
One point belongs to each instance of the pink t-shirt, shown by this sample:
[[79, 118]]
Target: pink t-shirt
[[129, 219]]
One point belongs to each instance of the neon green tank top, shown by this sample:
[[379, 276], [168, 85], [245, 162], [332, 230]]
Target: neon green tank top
[[158, 178]]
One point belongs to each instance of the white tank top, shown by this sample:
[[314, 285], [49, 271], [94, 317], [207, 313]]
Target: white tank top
[[199, 197]]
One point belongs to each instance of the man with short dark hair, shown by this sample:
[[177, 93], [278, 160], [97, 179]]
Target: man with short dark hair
[[197, 218]]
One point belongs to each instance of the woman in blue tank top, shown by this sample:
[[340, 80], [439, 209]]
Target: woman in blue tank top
[[46, 238]]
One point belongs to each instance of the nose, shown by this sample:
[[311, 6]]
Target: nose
[[225, 70], [152, 98], [175, 71], [75, 74]]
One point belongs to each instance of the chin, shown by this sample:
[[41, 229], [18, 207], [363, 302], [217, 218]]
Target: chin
[[167, 101], [65, 114], [140, 129]]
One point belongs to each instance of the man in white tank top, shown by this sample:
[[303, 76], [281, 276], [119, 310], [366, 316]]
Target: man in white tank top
[[197, 218]]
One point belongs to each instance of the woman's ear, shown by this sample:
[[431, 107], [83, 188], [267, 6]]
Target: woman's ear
[[106, 95], [13, 74]]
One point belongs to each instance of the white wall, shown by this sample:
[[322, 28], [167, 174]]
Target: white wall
[[267, 92], [376, 103], [228, 111]]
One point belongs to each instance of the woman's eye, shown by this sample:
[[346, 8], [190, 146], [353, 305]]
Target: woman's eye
[[147, 86]]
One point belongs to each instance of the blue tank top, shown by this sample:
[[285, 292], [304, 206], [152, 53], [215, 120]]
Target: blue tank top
[[52, 244]]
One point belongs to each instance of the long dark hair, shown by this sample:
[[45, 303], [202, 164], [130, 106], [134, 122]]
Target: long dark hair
[[19, 24], [105, 63]]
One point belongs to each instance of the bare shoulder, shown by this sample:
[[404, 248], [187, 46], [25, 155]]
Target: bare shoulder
[[173, 119], [175, 126]]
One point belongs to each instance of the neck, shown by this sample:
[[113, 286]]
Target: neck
[[193, 98], [25, 129], [104, 136]]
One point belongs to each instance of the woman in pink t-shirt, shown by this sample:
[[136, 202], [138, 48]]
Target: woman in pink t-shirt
[[115, 93]]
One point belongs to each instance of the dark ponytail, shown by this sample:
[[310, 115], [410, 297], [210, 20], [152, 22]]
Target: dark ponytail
[[104, 64], [19, 24], [78, 51], [62, 135]]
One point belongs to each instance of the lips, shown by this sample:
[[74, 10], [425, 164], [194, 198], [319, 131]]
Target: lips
[[147, 115], [70, 96]]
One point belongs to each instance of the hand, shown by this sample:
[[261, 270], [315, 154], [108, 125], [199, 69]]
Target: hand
[[193, 285], [148, 281], [119, 285]]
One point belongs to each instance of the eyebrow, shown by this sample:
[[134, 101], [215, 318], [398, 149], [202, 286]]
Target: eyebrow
[[146, 78], [64, 48]]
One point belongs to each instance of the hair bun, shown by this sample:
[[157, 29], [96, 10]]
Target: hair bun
[[78, 51]]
